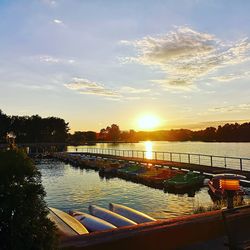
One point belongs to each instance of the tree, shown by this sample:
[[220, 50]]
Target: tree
[[4, 125], [23, 212]]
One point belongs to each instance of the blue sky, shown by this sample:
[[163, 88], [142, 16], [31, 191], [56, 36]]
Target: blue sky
[[95, 63]]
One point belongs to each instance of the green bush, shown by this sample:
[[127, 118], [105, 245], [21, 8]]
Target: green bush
[[23, 212]]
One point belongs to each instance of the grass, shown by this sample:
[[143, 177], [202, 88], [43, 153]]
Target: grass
[[218, 205]]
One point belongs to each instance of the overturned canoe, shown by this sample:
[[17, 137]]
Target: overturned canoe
[[130, 213], [113, 218], [91, 222], [66, 224]]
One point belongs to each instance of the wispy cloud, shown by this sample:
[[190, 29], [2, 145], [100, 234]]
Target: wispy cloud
[[231, 77], [131, 90], [57, 21], [231, 108], [52, 59], [186, 55], [84, 86], [51, 3]]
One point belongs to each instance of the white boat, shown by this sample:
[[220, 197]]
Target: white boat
[[113, 218], [130, 213], [66, 224], [91, 222]]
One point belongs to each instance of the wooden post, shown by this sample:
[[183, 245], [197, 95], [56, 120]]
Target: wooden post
[[240, 164], [211, 160], [189, 158], [171, 159]]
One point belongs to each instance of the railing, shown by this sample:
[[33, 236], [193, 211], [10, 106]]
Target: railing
[[242, 164]]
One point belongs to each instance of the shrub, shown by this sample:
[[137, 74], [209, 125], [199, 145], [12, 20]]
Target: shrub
[[23, 212]]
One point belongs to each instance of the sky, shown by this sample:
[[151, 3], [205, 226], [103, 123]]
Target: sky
[[95, 63]]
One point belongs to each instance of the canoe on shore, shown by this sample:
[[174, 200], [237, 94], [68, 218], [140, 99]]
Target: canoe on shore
[[66, 224], [91, 222], [111, 217], [130, 213]]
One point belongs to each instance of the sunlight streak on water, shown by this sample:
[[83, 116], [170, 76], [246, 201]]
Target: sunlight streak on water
[[148, 149]]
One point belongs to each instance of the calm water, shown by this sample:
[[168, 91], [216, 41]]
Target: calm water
[[68, 188], [210, 148]]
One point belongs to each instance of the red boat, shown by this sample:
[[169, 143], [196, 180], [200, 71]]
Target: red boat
[[216, 187]]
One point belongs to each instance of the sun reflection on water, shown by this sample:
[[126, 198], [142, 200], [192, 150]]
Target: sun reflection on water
[[148, 149]]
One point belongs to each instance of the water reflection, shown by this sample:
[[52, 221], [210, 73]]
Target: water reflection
[[71, 188], [148, 149]]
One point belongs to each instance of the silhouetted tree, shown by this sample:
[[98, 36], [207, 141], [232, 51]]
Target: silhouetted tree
[[4, 126], [23, 212]]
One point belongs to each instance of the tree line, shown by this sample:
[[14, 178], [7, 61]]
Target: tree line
[[33, 128], [52, 129]]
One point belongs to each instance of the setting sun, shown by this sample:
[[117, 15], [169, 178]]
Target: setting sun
[[148, 122]]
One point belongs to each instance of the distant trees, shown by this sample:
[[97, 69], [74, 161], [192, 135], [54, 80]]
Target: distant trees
[[33, 128], [111, 133], [23, 212], [80, 137], [52, 129]]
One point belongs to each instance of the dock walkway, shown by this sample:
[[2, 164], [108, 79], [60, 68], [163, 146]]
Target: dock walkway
[[206, 164]]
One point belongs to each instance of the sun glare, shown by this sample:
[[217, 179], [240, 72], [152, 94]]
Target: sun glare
[[148, 122]]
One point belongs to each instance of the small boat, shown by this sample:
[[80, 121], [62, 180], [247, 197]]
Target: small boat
[[130, 213], [217, 191], [182, 181], [91, 222], [66, 224], [111, 217]]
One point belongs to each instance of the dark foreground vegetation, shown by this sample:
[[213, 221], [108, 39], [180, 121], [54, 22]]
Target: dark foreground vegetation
[[32, 129], [23, 212]]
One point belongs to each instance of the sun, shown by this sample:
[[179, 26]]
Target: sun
[[148, 122]]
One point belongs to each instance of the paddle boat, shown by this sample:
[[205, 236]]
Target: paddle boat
[[184, 181], [215, 185]]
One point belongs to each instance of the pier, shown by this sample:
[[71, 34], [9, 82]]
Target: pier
[[206, 164]]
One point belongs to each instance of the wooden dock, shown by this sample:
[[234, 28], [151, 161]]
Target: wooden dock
[[159, 158]]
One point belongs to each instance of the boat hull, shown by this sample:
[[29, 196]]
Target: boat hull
[[111, 217], [91, 222], [130, 213]]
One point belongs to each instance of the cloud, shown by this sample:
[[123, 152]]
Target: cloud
[[131, 90], [231, 77], [186, 55], [35, 87], [51, 59], [57, 21], [51, 3], [84, 86], [125, 93], [231, 108]]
